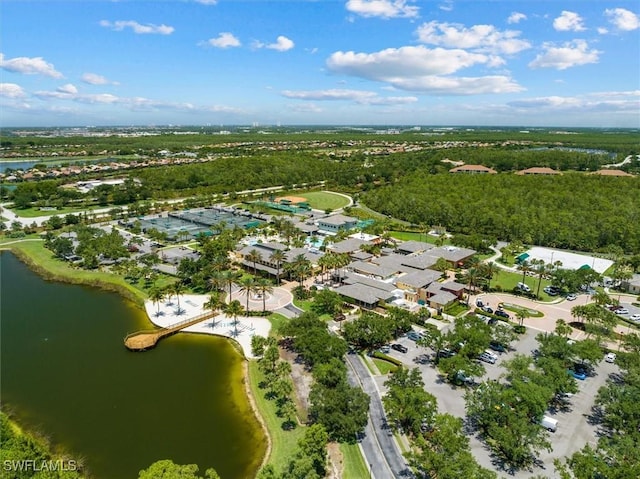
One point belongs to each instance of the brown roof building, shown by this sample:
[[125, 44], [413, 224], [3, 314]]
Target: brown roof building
[[608, 172], [472, 169], [539, 170]]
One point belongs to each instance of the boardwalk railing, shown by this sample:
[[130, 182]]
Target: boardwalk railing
[[145, 339]]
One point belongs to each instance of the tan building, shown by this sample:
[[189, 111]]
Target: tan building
[[608, 172], [481, 169], [538, 170]]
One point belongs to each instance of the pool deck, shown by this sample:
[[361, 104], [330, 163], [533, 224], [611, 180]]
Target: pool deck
[[191, 306]]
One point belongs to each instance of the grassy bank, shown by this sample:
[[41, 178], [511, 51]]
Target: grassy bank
[[283, 443], [41, 260], [354, 466]]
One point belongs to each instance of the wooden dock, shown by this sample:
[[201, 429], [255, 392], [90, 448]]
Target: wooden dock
[[143, 340]]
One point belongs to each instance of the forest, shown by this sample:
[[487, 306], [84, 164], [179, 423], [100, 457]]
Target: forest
[[573, 211]]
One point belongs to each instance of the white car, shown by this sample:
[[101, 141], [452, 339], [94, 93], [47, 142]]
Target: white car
[[572, 297], [635, 317], [622, 311], [610, 357]]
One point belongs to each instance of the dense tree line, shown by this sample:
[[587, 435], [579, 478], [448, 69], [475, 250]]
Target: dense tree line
[[573, 211]]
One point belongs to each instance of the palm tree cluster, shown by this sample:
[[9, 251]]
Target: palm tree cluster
[[332, 262], [479, 275]]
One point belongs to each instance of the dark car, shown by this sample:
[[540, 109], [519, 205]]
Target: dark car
[[487, 309], [497, 347], [501, 313], [399, 347], [479, 303]]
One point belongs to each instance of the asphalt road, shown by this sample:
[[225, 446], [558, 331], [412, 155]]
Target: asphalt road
[[379, 446]]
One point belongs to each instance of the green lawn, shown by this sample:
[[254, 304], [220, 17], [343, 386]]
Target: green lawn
[[44, 261], [305, 305], [508, 280], [322, 200], [283, 443], [384, 366], [530, 313], [354, 466], [36, 211], [276, 320]]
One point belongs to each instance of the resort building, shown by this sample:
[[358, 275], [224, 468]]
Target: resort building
[[335, 223], [538, 170], [608, 172], [474, 169]]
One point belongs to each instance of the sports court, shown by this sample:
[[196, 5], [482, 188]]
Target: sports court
[[569, 260]]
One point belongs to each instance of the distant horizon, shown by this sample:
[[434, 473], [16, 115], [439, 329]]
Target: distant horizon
[[504, 63]]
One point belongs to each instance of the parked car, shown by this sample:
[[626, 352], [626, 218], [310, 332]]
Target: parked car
[[635, 317], [502, 314], [487, 358], [413, 336], [446, 353], [572, 297], [399, 347], [552, 291], [479, 303], [523, 287], [497, 347], [549, 423], [385, 349], [622, 311], [610, 357], [487, 309], [581, 376]]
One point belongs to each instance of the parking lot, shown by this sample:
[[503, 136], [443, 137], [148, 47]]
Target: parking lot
[[574, 430]]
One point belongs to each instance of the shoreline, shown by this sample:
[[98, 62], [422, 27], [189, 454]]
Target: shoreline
[[139, 301]]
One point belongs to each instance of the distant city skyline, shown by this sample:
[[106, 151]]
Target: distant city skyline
[[307, 62]]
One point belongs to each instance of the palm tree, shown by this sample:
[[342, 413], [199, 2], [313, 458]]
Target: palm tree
[[301, 267], [156, 295], [216, 281], [230, 277], [214, 303], [525, 267], [248, 286], [277, 257], [177, 289], [489, 270], [234, 309], [264, 287], [521, 314], [472, 277], [540, 268], [342, 260], [254, 257]]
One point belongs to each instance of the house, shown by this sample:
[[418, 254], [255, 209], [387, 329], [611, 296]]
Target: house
[[409, 247], [414, 284], [371, 269], [335, 223], [608, 172], [366, 292], [473, 169], [348, 246], [538, 170], [455, 255], [632, 285]]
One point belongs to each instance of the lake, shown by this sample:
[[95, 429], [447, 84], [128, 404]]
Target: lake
[[66, 373]]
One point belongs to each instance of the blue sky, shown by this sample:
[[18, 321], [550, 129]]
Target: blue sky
[[436, 62]]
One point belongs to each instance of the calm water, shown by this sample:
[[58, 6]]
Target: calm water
[[66, 373]]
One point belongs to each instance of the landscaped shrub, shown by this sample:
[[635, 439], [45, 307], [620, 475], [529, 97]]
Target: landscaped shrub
[[519, 329], [384, 357]]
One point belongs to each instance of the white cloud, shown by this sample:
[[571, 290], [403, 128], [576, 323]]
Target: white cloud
[[568, 21], [480, 37], [623, 19], [447, 6], [207, 2], [357, 96], [422, 69], [602, 31], [29, 66], [11, 90], [95, 79], [69, 89], [592, 102], [404, 61], [382, 8], [224, 40], [568, 55], [439, 85], [516, 17], [139, 28], [282, 44]]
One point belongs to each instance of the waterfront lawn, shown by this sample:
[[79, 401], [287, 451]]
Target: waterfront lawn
[[354, 466], [322, 200], [283, 443], [44, 260]]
